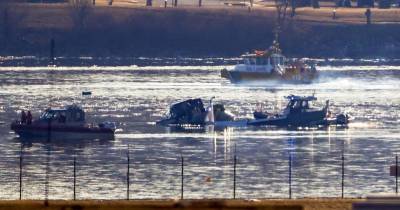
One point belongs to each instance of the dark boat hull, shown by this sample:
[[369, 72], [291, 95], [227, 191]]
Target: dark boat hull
[[309, 118], [61, 132]]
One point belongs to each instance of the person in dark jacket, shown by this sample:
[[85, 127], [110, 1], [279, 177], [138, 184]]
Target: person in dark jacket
[[23, 117], [368, 14], [29, 118]]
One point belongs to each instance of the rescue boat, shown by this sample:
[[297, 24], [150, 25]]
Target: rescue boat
[[299, 113], [66, 123], [263, 65]]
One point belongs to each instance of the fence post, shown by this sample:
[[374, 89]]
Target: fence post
[[46, 190], [127, 176], [47, 180], [74, 178], [234, 176], [397, 185], [290, 175], [342, 174], [20, 174], [181, 177], [52, 47]]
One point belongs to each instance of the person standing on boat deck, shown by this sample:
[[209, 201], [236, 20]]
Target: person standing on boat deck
[[29, 118], [334, 14], [23, 117], [368, 14], [62, 118]]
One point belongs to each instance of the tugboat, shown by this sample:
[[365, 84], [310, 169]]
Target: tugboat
[[192, 113], [298, 113], [270, 64], [66, 123]]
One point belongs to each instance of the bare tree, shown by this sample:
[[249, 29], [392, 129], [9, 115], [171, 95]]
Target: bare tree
[[79, 12], [11, 17], [4, 19], [281, 8]]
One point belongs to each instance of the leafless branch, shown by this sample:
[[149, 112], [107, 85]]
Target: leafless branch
[[79, 12]]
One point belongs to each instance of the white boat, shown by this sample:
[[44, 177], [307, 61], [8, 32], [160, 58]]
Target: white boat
[[270, 64]]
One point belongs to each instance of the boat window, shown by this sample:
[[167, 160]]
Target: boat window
[[79, 116], [263, 61], [43, 115], [305, 104], [273, 61], [258, 61], [297, 104], [47, 115]]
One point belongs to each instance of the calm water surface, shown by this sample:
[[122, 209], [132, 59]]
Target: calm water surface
[[136, 97]]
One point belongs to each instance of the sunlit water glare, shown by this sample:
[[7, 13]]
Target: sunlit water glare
[[135, 97]]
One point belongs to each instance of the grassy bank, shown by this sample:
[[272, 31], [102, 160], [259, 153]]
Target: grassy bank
[[140, 31], [305, 204]]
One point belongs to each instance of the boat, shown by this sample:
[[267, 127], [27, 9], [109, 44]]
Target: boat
[[65, 123], [299, 113], [192, 112], [263, 65]]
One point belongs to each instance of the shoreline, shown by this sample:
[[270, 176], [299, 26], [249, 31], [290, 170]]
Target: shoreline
[[198, 32], [273, 204]]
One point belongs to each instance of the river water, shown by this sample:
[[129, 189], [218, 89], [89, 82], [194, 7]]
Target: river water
[[137, 96]]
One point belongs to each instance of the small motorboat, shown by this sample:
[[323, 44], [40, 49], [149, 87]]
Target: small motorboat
[[298, 113], [193, 113], [66, 123], [264, 65]]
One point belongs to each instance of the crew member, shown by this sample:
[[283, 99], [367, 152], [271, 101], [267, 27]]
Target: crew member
[[334, 14], [23, 117], [62, 118], [368, 14], [29, 118]]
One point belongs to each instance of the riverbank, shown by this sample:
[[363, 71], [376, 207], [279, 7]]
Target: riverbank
[[300, 204], [189, 31]]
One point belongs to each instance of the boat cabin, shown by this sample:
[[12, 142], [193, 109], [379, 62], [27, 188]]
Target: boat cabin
[[261, 58], [71, 115], [298, 103]]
